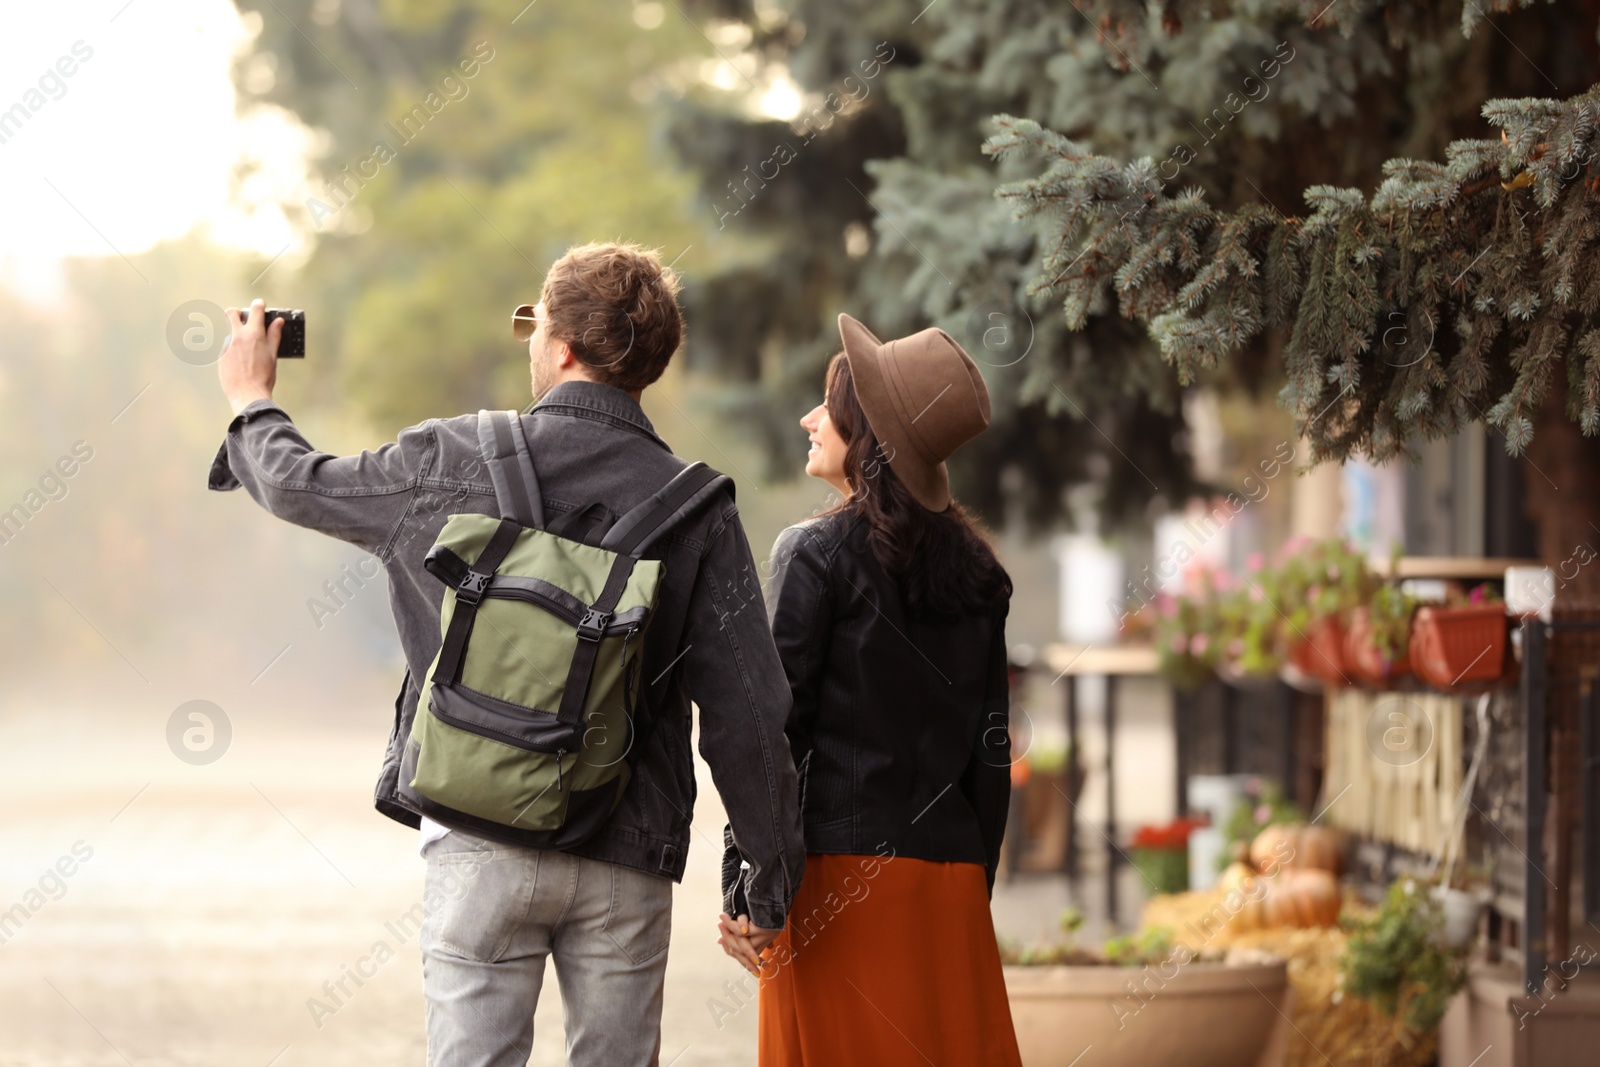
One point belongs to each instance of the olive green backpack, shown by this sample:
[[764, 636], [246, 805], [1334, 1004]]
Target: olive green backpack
[[530, 712]]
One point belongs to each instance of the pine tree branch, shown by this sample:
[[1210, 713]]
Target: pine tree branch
[[1127, 29], [1492, 252]]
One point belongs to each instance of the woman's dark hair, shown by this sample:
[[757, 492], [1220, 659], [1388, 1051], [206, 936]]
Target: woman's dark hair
[[942, 560]]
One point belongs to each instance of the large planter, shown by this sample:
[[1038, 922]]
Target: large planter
[[1365, 661], [1319, 652], [1190, 1015], [1454, 648]]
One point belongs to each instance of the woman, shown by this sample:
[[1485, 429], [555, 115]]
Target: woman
[[889, 613]]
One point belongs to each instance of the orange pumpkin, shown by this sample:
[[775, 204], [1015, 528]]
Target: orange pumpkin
[[1302, 897], [1237, 875], [1295, 896], [1244, 902], [1297, 845]]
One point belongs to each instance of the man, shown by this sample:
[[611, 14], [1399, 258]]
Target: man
[[607, 324]]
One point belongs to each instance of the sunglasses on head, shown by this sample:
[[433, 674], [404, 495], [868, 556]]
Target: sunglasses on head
[[524, 321]]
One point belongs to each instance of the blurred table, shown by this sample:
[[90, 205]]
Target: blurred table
[[1110, 662]]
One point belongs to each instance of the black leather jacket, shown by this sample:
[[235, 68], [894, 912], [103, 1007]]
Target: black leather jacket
[[899, 724]]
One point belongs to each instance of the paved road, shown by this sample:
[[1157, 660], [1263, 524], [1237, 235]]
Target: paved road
[[207, 906]]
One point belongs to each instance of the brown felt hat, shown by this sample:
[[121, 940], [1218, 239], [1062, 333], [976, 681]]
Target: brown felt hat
[[923, 398]]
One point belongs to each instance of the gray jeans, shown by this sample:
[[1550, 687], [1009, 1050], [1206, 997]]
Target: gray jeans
[[502, 911]]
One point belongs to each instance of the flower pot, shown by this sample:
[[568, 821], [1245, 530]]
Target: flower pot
[[1320, 651], [1172, 1020], [1455, 648], [1040, 830], [1461, 910], [1365, 661]]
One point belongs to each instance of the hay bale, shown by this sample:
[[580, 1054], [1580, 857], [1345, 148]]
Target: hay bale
[[1329, 1026]]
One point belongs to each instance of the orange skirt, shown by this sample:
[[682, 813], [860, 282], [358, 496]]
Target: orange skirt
[[886, 960]]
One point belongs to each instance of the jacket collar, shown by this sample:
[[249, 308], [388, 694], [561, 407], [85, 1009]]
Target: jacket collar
[[577, 397]]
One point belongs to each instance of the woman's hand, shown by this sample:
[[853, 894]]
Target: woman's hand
[[744, 941]]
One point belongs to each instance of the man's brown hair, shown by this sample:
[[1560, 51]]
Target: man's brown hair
[[616, 306]]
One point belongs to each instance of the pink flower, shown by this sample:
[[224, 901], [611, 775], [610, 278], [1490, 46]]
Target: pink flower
[[1235, 648], [1179, 645], [1263, 813], [1255, 562], [1195, 573], [1198, 644], [1294, 545]]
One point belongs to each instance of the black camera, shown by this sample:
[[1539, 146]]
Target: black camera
[[292, 345]]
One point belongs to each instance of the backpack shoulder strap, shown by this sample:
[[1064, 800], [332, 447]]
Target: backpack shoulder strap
[[504, 448], [641, 527]]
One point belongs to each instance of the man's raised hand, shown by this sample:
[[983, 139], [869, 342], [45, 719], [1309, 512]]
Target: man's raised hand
[[248, 367]]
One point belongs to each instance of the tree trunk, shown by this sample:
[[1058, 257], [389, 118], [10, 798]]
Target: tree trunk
[[1563, 498]]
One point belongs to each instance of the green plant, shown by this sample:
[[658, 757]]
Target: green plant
[[1249, 620], [1249, 624], [1187, 632], [1065, 952], [1160, 853], [1152, 944], [1389, 614], [1397, 960], [1320, 578], [1163, 870]]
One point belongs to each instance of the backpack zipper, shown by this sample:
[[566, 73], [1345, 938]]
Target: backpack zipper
[[560, 753], [554, 607]]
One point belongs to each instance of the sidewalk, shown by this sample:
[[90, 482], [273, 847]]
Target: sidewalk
[[251, 913]]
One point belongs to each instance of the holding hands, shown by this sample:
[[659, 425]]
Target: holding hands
[[745, 941]]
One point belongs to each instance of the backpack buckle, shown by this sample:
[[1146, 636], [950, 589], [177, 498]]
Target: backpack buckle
[[470, 589], [593, 626]]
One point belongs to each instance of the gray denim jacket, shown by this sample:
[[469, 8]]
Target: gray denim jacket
[[590, 443]]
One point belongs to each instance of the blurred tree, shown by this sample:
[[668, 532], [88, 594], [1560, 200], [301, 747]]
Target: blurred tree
[[873, 81], [462, 149], [1237, 103], [1461, 291]]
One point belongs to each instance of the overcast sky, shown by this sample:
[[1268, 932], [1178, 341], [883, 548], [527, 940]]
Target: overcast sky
[[137, 143]]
